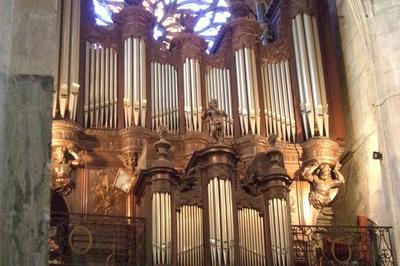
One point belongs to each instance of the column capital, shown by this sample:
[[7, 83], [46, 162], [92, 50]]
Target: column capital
[[245, 33], [135, 21]]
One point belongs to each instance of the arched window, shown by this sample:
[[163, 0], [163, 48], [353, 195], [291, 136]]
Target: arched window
[[210, 14]]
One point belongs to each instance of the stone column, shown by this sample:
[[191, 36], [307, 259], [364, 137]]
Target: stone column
[[27, 62]]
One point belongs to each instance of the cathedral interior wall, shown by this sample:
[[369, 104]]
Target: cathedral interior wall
[[370, 36]]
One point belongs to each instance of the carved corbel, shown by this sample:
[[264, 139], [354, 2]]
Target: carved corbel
[[64, 160], [321, 170], [130, 159]]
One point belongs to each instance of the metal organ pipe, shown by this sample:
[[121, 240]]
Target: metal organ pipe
[[67, 89], [164, 96], [135, 102], [161, 228], [321, 79], [279, 102], [221, 222], [100, 104], [251, 238], [190, 235], [192, 97], [248, 91]]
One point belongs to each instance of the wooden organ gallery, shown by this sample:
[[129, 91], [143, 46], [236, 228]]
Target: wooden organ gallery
[[134, 120]]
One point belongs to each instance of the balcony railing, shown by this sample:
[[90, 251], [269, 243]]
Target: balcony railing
[[343, 245], [82, 239]]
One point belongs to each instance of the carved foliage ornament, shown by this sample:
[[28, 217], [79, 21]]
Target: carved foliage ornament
[[106, 196]]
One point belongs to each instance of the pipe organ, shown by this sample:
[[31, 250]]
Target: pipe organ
[[204, 200], [67, 82], [192, 93], [278, 100], [135, 102], [164, 93], [310, 75], [219, 87], [190, 236], [161, 231], [249, 106], [221, 222], [100, 104], [251, 237]]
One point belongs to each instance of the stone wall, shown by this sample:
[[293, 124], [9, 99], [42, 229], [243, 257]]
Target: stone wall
[[370, 39], [27, 63]]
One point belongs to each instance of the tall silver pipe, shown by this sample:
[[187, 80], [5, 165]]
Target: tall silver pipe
[[256, 94], [305, 72], [314, 77], [87, 88], [143, 100], [321, 77], [107, 87], [250, 90]]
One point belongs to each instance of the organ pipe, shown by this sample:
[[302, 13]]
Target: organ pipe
[[279, 228], [100, 95], [67, 84], [310, 75], [192, 94], [218, 87], [164, 96], [221, 222], [135, 102], [161, 228], [190, 236], [278, 100], [249, 109]]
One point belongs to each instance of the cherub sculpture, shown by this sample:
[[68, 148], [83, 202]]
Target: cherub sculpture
[[63, 161], [324, 182], [215, 119]]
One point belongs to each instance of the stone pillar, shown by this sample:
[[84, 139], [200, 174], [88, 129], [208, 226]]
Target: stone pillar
[[27, 62]]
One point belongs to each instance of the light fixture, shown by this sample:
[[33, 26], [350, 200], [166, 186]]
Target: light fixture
[[376, 155]]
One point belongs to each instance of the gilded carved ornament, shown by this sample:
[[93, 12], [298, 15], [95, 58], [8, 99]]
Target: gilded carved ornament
[[64, 160], [324, 180], [106, 196]]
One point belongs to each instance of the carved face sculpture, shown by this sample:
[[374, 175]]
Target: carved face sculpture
[[59, 154], [325, 172], [213, 104]]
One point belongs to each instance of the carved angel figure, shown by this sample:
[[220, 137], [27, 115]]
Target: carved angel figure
[[215, 119], [63, 161], [324, 182]]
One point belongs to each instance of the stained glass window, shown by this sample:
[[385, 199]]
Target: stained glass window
[[210, 14]]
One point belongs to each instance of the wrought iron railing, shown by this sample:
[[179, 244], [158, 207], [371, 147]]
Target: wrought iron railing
[[343, 245], [82, 239]]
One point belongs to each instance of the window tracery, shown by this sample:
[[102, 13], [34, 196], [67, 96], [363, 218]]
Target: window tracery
[[210, 16]]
